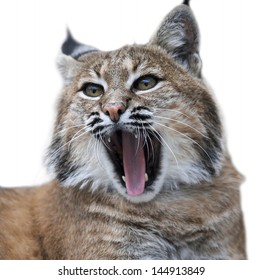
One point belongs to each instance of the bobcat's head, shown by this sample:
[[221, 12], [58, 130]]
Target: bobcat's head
[[138, 120]]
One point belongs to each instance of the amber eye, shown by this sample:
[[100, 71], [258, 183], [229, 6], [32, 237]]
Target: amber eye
[[145, 82], [92, 90]]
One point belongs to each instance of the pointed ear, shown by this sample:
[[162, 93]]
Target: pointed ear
[[178, 34], [67, 60], [74, 48]]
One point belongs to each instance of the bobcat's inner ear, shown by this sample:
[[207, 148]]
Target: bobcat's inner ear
[[178, 34]]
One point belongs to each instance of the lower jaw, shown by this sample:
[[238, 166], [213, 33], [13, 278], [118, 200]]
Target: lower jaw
[[148, 194], [145, 197]]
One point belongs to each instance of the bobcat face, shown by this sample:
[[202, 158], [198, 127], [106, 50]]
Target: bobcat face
[[138, 120]]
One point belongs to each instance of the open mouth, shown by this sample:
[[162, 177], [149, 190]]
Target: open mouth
[[136, 159]]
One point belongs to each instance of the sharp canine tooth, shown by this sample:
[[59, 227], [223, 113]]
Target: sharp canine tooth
[[136, 136], [146, 177], [123, 178], [109, 140]]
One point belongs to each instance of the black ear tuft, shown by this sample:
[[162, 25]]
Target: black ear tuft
[[69, 44], [74, 48], [186, 2]]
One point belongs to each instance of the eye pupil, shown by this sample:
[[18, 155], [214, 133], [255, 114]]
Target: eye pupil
[[92, 90], [145, 83]]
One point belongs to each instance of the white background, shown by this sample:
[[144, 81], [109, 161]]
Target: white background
[[31, 35]]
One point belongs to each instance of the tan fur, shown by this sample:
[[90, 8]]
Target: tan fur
[[52, 222], [190, 210]]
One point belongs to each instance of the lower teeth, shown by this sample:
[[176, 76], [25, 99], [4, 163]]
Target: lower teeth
[[145, 176]]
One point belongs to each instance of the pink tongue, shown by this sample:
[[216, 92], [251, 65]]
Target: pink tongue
[[134, 164]]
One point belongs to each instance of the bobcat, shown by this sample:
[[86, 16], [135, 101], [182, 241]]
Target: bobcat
[[141, 169]]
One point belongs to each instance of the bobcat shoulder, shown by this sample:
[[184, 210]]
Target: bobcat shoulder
[[139, 160]]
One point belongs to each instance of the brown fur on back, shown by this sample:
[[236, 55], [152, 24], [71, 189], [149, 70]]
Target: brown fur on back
[[17, 225]]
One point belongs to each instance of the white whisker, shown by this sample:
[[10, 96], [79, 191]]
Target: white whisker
[[165, 143], [172, 110], [145, 136], [138, 143], [182, 123], [97, 149], [150, 140], [68, 143], [67, 128], [187, 138], [75, 137], [104, 143]]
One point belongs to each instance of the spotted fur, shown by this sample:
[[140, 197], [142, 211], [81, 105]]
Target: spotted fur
[[191, 207]]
